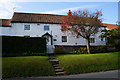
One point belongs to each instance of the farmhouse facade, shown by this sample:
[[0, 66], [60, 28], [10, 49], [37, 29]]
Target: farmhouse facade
[[48, 25]]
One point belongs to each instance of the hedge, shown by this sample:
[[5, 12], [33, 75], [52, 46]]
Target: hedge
[[62, 49], [20, 46]]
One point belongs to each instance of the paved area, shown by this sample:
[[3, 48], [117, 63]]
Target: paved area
[[103, 75], [106, 74]]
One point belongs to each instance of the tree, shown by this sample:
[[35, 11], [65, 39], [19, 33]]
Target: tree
[[82, 23], [113, 37]]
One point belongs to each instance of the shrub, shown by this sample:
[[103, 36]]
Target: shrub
[[59, 50], [98, 49], [102, 49], [81, 50]]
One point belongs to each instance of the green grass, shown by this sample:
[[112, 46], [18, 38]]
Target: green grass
[[83, 63], [28, 66]]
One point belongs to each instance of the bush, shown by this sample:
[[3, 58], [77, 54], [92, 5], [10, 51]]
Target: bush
[[102, 49], [59, 50], [81, 50], [98, 49]]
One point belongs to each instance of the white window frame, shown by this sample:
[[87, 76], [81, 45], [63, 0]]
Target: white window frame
[[26, 27], [64, 41], [92, 40], [45, 28]]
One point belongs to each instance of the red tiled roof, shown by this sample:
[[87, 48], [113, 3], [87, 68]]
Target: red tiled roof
[[110, 26], [34, 18], [41, 18], [5, 22]]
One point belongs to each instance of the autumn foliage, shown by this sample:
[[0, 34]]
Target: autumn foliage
[[82, 23]]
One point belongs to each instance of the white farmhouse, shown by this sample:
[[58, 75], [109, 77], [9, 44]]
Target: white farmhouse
[[38, 25]]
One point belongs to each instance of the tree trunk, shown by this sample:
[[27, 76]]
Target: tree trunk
[[88, 45]]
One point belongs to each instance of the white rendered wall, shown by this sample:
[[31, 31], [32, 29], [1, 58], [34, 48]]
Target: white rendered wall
[[17, 29]]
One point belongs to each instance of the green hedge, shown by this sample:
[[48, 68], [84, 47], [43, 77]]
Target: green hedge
[[81, 49], [21, 46]]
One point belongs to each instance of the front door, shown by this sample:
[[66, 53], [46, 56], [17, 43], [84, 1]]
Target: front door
[[48, 40], [49, 45]]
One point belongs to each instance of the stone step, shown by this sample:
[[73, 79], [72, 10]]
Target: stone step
[[56, 65], [54, 60], [52, 57], [59, 73], [58, 70]]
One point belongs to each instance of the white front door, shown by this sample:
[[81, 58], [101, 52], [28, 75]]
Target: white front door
[[50, 49], [48, 40], [48, 45]]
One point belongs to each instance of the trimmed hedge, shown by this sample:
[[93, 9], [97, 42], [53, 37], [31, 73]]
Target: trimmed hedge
[[21, 46], [81, 49]]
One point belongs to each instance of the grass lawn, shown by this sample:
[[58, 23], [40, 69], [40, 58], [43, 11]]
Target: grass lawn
[[26, 66], [83, 63]]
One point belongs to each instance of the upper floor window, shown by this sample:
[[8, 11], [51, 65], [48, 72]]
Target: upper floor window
[[92, 40], [38, 24], [64, 38], [46, 28], [26, 27]]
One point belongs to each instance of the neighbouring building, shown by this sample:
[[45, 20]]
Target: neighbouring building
[[110, 26]]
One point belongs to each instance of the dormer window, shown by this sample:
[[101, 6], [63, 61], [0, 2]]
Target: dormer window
[[26, 27], [46, 28]]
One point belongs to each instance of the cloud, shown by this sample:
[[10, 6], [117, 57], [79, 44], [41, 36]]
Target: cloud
[[72, 9], [6, 8]]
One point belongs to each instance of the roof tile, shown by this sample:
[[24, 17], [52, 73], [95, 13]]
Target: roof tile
[[111, 26], [5, 22], [34, 17]]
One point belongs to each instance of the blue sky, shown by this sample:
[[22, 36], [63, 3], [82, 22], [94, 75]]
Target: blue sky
[[110, 9]]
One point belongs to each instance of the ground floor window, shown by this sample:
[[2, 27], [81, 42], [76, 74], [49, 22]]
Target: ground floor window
[[64, 38], [92, 40]]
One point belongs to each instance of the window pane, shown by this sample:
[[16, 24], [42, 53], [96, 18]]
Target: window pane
[[64, 38], [101, 39], [26, 27], [92, 40], [46, 28]]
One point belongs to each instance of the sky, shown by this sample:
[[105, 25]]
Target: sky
[[109, 9]]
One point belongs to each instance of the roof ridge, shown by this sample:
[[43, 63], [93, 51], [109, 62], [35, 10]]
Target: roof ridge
[[109, 24], [5, 19], [37, 13]]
